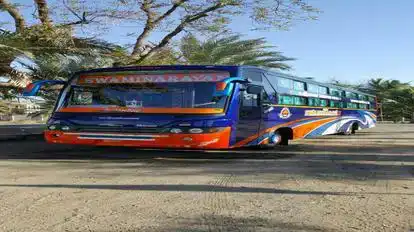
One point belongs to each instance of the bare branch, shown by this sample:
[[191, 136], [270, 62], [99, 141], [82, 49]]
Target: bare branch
[[170, 11], [43, 12], [82, 19], [187, 20], [12, 10], [72, 11]]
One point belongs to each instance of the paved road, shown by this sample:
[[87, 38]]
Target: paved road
[[335, 183]]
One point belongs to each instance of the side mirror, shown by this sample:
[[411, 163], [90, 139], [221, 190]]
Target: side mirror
[[254, 90], [33, 88]]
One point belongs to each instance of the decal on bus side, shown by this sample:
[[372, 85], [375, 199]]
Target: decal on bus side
[[323, 112], [285, 113]]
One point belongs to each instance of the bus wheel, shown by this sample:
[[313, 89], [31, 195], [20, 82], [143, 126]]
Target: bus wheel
[[282, 136], [354, 128]]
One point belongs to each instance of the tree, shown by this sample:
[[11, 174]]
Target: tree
[[211, 15], [231, 50], [59, 67], [38, 40], [169, 18]]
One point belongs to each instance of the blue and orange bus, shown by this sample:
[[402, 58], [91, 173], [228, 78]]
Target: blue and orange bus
[[201, 107]]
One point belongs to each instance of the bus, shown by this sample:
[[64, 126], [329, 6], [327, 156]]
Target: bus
[[201, 107]]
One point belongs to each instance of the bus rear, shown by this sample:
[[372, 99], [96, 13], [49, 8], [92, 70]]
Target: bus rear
[[159, 107]]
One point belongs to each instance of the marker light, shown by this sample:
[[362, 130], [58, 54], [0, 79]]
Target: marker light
[[176, 130], [195, 130], [220, 86]]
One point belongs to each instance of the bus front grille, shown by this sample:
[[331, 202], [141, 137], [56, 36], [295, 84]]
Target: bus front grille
[[119, 129]]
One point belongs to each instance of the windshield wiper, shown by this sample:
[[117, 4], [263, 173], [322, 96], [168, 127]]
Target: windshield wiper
[[204, 104]]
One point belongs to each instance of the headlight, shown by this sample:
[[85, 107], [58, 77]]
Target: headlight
[[65, 128], [52, 127], [196, 130]]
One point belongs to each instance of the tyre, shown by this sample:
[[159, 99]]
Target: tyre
[[354, 128], [280, 138]]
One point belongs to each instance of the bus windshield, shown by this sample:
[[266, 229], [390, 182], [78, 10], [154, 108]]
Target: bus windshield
[[143, 95]]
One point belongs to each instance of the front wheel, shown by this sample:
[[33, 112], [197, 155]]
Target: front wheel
[[280, 139]]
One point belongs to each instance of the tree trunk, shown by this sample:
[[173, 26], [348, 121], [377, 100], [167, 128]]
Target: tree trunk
[[138, 47], [43, 12], [5, 68], [12, 10]]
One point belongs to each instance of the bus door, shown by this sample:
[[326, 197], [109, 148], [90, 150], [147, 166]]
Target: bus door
[[250, 113]]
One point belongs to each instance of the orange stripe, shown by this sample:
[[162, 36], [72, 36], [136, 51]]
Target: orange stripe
[[147, 78], [302, 130], [142, 110]]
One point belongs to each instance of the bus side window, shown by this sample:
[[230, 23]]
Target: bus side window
[[323, 102], [250, 100]]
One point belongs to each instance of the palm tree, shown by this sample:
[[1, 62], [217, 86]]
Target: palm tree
[[59, 67], [39, 41], [231, 50]]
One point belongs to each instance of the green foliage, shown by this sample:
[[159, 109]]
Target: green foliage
[[396, 99], [60, 67], [231, 50]]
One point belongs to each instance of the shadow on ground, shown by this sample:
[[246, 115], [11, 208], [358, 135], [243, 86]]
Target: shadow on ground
[[195, 188], [205, 223], [320, 161]]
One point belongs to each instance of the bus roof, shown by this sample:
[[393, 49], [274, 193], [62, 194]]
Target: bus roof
[[310, 81], [229, 68]]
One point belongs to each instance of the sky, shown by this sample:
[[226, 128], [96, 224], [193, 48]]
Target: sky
[[352, 40]]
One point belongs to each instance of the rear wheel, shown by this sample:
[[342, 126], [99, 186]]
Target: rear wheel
[[354, 128]]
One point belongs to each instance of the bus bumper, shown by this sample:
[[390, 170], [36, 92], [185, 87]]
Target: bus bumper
[[217, 140]]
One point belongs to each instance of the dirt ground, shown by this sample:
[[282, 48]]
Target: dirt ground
[[335, 183]]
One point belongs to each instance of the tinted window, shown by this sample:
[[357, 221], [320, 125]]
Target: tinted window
[[363, 106], [363, 97], [285, 100], [285, 83], [299, 101], [165, 95], [269, 90], [253, 75], [323, 102], [250, 100], [336, 104], [335, 92], [297, 85], [351, 95], [265, 97], [312, 88], [313, 101], [351, 105], [323, 90]]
